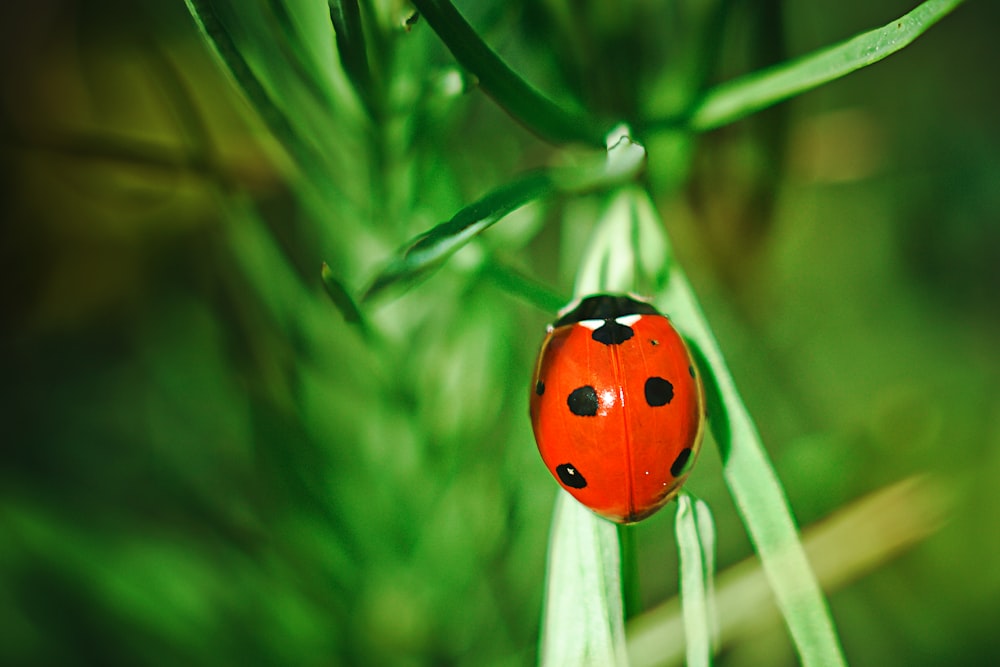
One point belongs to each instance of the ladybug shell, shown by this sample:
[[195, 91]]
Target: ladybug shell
[[617, 407]]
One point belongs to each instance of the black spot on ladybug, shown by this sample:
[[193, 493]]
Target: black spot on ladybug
[[678, 465], [582, 401], [539, 387], [658, 392], [654, 342], [691, 370], [571, 477], [612, 333]]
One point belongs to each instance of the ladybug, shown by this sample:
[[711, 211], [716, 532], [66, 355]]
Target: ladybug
[[617, 406]]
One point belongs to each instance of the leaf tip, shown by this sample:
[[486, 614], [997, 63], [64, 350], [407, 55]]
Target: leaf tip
[[341, 298]]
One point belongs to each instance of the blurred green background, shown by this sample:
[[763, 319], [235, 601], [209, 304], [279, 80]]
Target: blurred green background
[[204, 465]]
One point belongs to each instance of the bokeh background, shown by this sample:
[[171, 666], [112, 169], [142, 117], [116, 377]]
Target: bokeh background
[[202, 464]]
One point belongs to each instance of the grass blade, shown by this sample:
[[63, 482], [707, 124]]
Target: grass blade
[[583, 624], [741, 97], [435, 246], [843, 548], [281, 55], [341, 298], [696, 548], [521, 100], [216, 34], [628, 251], [622, 162], [754, 485], [345, 15]]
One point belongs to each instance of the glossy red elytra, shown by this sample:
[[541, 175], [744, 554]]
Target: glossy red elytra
[[617, 406]]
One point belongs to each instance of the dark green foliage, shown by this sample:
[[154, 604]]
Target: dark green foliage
[[204, 463]]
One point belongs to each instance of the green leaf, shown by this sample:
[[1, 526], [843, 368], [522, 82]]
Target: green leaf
[[696, 547], [350, 37], [229, 52], [622, 162], [520, 99], [281, 54], [745, 95], [627, 251], [843, 547], [582, 624], [754, 485], [341, 298], [432, 248]]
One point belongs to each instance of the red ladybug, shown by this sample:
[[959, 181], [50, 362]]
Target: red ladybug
[[617, 406]]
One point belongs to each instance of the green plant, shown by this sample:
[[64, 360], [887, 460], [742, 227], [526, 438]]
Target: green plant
[[627, 250]]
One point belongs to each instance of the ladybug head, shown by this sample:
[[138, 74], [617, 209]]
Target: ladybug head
[[603, 307]]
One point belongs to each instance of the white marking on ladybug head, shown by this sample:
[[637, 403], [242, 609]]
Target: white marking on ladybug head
[[628, 320], [593, 325]]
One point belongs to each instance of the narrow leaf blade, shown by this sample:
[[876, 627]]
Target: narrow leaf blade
[[345, 15], [696, 548], [521, 100], [281, 55], [759, 495], [741, 97], [434, 247], [341, 298], [583, 624]]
